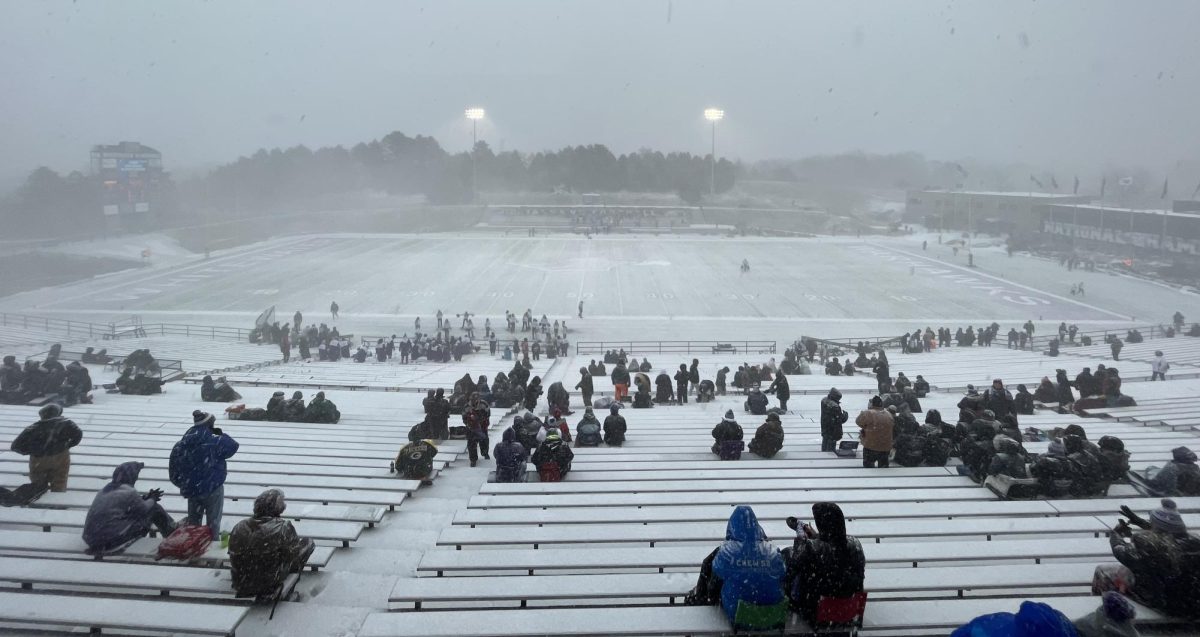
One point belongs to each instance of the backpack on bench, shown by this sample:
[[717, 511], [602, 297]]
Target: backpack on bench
[[186, 543]]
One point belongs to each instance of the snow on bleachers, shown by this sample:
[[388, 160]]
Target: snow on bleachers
[[335, 477], [597, 539], [638, 520], [375, 375], [1179, 351]]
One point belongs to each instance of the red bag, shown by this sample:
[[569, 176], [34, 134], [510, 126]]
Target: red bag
[[185, 543]]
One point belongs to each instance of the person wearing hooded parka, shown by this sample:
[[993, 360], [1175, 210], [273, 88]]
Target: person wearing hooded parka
[[511, 457], [119, 515], [265, 549], [744, 575], [822, 562]]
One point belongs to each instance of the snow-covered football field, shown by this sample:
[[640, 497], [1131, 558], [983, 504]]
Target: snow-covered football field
[[663, 287]]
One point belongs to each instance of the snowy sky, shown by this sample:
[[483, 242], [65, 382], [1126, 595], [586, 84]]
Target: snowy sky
[[1068, 84]]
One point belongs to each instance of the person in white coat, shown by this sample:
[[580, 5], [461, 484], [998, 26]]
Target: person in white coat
[[1159, 366]]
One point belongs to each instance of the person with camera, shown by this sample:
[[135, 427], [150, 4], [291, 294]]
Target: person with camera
[[197, 467], [822, 562], [119, 515], [1159, 561]]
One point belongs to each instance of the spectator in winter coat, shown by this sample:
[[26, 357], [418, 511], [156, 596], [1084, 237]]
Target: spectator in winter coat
[[756, 402], [663, 392], [77, 384], [1180, 477], [293, 410], [588, 431], [768, 439], [48, 444], [876, 433], [265, 549], [1114, 459], [276, 411], [532, 393], [832, 419], [782, 391], [585, 385], [477, 418], [614, 427], [1062, 392], [1114, 618], [217, 392], [822, 562], [1045, 392], [511, 457], [921, 386], [1033, 619], [1154, 567], [620, 381], [1009, 459], [197, 467], [681, 384], [744, 575], [694, 374], [728, 438], [414, 461], [706, 392], [119, 515], [555, 424], [1023, 401], [558, 398], [552, 458], [1159, 367], [833, 368], [321, 410], [722, 374], [998, 399]]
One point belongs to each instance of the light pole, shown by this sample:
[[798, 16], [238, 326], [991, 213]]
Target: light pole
[[474, 114], [713, 115]]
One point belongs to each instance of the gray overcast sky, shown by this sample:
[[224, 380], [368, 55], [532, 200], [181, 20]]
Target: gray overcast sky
[[1068, 84]]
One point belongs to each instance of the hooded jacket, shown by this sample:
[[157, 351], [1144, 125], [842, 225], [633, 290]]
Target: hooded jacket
[[510, 458], [197, 463], [757, 403], [118, 515], [832, 564], [832, 415], [750, 567], [47, 437], [264, 549]]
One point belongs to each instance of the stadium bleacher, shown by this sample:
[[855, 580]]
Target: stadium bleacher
[[610, 550]]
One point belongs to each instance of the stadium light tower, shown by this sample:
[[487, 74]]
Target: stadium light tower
[[713, 115], [474, 114]]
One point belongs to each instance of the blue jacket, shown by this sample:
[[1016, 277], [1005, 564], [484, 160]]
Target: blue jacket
[[198, 461], [750, 566]]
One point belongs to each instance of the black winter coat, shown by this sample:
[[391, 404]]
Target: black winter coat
[[832, 419], [47, 437], [768, 440]]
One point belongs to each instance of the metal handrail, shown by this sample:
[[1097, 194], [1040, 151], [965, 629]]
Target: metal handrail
[[127, 327]]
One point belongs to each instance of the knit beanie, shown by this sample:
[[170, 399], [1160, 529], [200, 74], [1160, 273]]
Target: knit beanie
[[729, 416], [51, 410], [202, 418], [1167, 518]]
